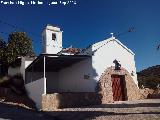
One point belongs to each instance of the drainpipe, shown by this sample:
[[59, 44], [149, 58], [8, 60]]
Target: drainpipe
[[44, 74]]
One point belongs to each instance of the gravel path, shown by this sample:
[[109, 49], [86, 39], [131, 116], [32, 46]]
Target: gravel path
[[137, 110]]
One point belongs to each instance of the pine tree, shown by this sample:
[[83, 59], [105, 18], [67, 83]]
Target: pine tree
[[19, 44]]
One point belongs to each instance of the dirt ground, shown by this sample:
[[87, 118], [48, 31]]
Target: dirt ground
[[14, 112], [148, 109]]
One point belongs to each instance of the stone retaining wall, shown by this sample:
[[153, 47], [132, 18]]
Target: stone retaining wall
[[150, 93], [62, 100]]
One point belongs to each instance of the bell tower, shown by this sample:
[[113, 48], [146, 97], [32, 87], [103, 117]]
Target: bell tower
[[51, 40]]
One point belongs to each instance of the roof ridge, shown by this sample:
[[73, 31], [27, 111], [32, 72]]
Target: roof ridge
[[106, 41]]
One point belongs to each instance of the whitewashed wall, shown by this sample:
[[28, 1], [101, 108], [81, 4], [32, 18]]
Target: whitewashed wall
[[13, 71], [51, 46], [52, 79], [21, 69], [71, 79], [109, 50], [24, 64], [35, 90]]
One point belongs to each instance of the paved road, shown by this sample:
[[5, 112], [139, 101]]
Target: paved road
[[137, 110]]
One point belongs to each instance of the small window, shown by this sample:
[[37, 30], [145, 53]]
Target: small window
[[53, 36]]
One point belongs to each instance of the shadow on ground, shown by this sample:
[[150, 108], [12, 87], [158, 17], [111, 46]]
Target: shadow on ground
[[87, 115], [19, 113], [124, 105], [83, 115], [13, 112]]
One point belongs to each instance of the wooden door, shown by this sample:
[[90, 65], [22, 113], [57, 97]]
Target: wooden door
[[118, 87]]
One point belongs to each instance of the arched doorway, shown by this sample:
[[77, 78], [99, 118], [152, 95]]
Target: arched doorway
[[117, 85]]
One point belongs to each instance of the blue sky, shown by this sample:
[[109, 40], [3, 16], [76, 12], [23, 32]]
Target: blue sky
[[90, 21]]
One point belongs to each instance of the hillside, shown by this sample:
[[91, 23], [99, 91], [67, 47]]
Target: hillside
[[149, 77], [12, 91]]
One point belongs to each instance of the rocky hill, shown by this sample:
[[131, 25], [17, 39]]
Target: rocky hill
[[149, 77]]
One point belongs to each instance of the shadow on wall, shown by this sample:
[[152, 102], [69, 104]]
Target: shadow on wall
[[88, 96], [98, 86], [89, 51], [81, 76]]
